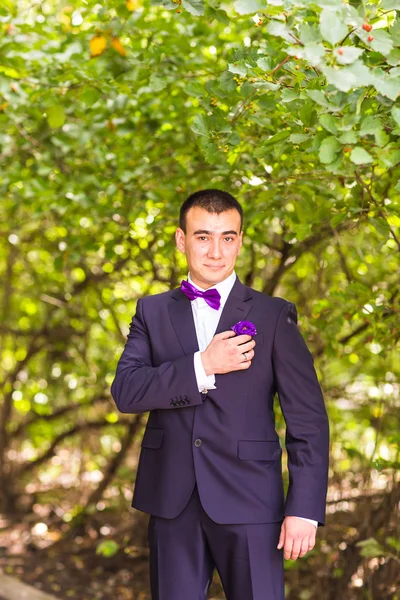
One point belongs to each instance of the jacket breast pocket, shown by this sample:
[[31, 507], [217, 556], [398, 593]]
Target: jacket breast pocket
[[259, 449], [152, 438]]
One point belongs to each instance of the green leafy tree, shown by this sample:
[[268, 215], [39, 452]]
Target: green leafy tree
[[110, 115]]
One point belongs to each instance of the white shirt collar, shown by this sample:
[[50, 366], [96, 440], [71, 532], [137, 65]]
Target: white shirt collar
[[224, 287]]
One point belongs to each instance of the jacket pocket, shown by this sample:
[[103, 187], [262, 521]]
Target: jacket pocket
[[259, 449], [152, 437]]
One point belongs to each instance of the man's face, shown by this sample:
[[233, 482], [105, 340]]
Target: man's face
[[211, 244]]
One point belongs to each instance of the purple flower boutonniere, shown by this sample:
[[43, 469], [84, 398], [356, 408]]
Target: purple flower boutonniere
[[244, 328]]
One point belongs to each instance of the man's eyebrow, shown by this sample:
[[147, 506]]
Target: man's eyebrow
[[201, 231]]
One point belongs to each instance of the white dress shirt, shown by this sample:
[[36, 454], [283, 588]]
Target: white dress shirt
[[206, 321]]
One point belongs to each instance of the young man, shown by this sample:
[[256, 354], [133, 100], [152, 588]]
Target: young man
[[210, 466]]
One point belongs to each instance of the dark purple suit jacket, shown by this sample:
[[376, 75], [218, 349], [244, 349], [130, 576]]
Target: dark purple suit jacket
[[225, 440]]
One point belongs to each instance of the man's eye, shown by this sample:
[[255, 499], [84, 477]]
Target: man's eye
[[229, 238], [202, 237]]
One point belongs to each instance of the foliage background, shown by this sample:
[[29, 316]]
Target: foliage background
[[110, 115]]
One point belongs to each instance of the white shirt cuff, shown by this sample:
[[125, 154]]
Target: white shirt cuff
[[315, 523], [204, 381]]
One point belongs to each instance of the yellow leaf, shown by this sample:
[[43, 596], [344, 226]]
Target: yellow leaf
[[133, 4], [97, 44], [116, 44]]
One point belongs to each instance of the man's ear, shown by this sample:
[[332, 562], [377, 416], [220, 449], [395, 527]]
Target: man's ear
[[180, 240]]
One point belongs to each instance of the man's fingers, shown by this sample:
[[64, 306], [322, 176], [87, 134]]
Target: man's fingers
[[304, 547], [224, 335], [296, 548], [287, 550], [241, 339], [245, 364]]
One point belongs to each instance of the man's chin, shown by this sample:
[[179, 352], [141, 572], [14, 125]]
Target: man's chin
[[214, 275]]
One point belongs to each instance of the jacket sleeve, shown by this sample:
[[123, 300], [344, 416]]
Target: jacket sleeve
[[138, 386], [307, 425]]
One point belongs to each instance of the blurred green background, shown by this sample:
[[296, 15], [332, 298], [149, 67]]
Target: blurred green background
[[111, 113]]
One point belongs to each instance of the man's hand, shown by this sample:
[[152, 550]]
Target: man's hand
[[225, 353], [297, 537]]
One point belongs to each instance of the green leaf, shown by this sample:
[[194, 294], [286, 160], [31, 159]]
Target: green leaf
[[332, 28], [309, 33], [351, 16], [264, 63], [299, 138], [239, 68], [266, 86], [194, 7], [328, 149], [200, 125], [156, 84], [107, 548], [55, 116], [387, 85], [274, 139], [370, 548], [393, 57], [247, 7], [346, 78], [318, 97], [396, 114], [348, 137], [390, 5], [370, 125], [382, 41], [288, 95], [389, 156], [359, 156], [345, 55], [279, 29], [395, 33], [328, 122], [313, 53], [212, 153], [167, 4]]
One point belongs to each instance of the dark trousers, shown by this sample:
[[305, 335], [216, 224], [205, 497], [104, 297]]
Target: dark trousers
[[185, 551]]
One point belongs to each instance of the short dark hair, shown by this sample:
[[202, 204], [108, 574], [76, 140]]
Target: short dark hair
[[212, 200]]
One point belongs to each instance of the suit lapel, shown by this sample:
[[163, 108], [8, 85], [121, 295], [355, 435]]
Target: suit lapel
[[236, 308]]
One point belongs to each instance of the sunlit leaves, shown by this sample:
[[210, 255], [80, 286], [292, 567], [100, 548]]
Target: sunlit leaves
[[55, 116], [346, 55], [370, 548], [328, 149], [116, 44], [244, 7], [332, 28], [359, 156], [194, 7], [107, 548], [97, 45], [133, 4]]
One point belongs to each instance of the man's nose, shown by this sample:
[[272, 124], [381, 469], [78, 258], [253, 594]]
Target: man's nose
[[215, 250]]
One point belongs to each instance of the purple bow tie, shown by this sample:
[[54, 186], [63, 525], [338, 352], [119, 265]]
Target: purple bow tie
[[212, 297]]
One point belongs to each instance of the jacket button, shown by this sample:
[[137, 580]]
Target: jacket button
[[198, 443]]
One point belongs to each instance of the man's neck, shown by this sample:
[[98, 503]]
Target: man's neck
[[203, 285]]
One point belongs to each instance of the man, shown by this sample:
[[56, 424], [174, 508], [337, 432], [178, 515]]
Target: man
[[209, 472]]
